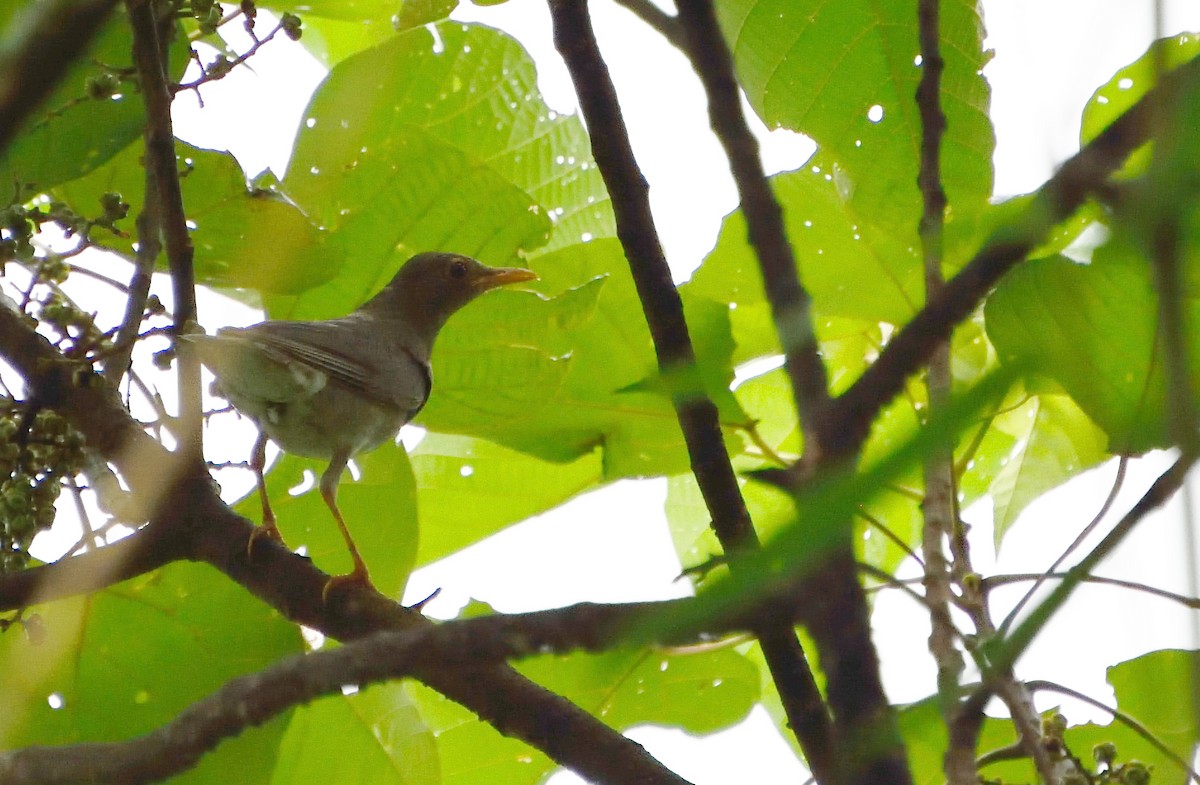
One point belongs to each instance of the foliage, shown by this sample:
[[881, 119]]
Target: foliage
[[428, 133]]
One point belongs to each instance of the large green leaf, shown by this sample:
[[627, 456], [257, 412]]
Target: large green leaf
[[1128, 85], [1054, 441], [470, 488], [612, 396], [373, 737], [1093, 330], [425, 142], [70, 134], [846, 75], [125, 661], [851, 266], [1157, 690], [243, 237]]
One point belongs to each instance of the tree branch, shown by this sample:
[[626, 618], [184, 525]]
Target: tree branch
[[1055, 201], [705, 47], [663, 23], [939, 507], [251, 700], [791, 306], [661, 303], [160, 160]]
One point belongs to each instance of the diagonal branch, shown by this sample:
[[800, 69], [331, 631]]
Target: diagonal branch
[[663, 23], [251, 700], [791, 306], [1055, 201]]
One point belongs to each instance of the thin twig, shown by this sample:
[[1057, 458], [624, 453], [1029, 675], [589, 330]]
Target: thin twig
[[1118, 482], [149, 231], [1002, 653], [1041, 685], [161, 162], [939, 507], [993, 581]]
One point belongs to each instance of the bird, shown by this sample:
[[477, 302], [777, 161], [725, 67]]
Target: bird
[[335, 388]]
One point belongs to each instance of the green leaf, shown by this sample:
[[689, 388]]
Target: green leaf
[[1054, 441], [468, 489], [699, 693], [499, 365], [69, 135], [128, 659], [821, 69], [380, 509], [423, 143], [243, 237], [851, 266], [1157, 690], [1128, 85], [925, 741], [414, 13], [1091, 329], [374, 737]]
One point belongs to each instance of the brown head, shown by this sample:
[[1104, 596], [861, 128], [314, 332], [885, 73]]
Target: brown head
[[432, 286]]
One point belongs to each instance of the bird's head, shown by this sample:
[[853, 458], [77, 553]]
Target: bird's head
[[432, 286]]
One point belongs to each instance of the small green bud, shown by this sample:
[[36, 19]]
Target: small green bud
[[1135, 773], [1105, 753], [291, 26], [102, 87]]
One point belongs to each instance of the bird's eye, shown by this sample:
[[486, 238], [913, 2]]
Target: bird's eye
[[458, 269]]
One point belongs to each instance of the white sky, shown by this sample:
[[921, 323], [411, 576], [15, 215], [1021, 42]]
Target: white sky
[[1050, 56]]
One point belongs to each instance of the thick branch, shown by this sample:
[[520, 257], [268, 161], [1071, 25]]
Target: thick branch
[[1061, 195], [791, 307], [54, 34], [663, 308], [252, 700]]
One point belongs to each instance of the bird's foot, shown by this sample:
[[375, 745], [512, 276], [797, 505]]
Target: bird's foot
[[266, 531], [356, 577]]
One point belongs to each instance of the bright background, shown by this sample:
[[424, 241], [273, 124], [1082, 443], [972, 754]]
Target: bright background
[[1049, 57]]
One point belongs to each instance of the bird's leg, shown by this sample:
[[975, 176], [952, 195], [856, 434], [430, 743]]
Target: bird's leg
[[329, 487], [258, 463]]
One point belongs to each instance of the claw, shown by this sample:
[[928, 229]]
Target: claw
[[355, 577]]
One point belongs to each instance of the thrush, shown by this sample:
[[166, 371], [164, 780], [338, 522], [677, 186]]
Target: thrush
[[333, 389]]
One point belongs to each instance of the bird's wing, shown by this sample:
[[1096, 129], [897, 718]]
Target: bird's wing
[[347, 351]]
